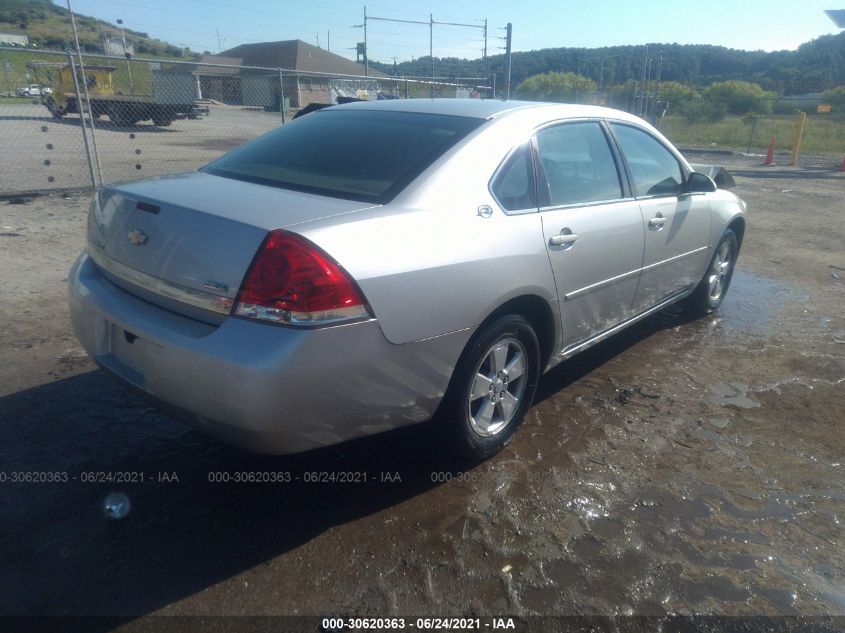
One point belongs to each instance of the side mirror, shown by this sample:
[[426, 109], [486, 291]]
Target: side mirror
[[699, 183]]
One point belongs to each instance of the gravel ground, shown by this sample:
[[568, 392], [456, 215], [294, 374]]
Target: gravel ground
[[682, 467]]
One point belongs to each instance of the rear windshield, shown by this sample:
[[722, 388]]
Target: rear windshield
[[358, 155]]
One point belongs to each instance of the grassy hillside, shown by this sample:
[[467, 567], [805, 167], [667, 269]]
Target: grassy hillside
[[48, 26], [19, 74]]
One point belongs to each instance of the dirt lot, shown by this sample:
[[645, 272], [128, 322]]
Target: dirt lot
[[39, 149], [683, 467]]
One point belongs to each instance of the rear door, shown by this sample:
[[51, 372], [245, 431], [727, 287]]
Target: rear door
[[676, 224], [592, 226]]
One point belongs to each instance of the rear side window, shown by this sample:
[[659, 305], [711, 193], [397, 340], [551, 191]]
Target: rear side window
[[655, 170], [578, 164], [359, 155], [513, 185]]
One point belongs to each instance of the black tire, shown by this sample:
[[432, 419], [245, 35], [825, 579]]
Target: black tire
[[703, 300], [460, 418], [53, 108], [162, 121], [120, 116]]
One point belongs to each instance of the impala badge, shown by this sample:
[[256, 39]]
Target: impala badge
[[138, 238]]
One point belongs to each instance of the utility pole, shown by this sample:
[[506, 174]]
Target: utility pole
[[657, 87], [329, 41], [431, 49], [430, 24], [601, 76], [366, 58], [508, 40], [642, 92], [486, 63], [126, 55]]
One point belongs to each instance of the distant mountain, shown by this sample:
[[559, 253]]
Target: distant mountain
[[48, 26], [815, 66]]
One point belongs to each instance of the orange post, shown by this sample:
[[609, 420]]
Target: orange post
[[770, 155]]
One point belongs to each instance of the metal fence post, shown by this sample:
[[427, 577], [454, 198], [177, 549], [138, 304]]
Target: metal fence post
[[82, 124], [406, 87], [282, 95]]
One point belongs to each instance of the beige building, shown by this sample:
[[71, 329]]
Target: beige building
[[235, 83]]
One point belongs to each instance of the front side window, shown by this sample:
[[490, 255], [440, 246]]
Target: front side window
[[656, 172], [578, 164], [513, 185], [355, 154]]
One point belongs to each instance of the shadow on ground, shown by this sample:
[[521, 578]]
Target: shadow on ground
[[62, 556]]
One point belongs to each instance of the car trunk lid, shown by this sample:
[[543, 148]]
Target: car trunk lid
[[185, 242]]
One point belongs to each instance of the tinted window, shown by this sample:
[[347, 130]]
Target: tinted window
[[358, 155], [578, 164], [514, 183], [655, 170]]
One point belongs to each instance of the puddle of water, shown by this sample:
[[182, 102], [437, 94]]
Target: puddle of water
[[752, 300], [733, 394]]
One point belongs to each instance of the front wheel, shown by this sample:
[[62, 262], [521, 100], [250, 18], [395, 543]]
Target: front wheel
[[53, 107], [713, 287], [492, 387]]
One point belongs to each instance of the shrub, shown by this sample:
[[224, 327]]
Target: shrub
[[740, 97], [836, 98], [784, 107], [555, 86]]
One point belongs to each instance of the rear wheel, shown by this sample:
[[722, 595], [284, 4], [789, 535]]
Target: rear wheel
[[162, 120], [492, 387], [713, 287]]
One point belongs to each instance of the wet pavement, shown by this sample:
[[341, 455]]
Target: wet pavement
[[679, 468]]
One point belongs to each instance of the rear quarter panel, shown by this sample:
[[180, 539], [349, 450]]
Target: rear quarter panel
[[427, 263]]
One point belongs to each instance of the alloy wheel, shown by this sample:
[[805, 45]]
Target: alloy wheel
[[498, 387]]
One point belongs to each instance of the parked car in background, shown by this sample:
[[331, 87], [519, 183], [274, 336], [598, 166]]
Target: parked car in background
[[299, 291], [33, 90]]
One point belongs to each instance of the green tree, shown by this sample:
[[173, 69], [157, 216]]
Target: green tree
[[676, 94], [555, 86], [836, 98], [739, 97]]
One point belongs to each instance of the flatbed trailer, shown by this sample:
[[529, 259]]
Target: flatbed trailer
[[103, 100], [127, 109]]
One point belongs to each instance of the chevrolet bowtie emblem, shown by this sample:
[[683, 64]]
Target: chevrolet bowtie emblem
[[138, 238]]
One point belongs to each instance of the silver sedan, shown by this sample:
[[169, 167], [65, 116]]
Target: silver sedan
[[379, 264]]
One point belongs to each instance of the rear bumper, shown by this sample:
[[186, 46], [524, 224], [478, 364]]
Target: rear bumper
[[262, 387]]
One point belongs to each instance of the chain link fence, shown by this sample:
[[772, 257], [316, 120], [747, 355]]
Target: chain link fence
[[37, 152], [66, 125], [821, 134]]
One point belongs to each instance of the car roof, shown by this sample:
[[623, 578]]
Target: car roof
[[478, 108]]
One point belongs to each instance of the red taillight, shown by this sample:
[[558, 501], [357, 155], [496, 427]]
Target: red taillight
[[292, 281]]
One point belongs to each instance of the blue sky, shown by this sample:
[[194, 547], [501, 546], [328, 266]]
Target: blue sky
[[746, 24]]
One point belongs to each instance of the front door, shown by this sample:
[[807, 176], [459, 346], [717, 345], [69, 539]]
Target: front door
[[676, 224]]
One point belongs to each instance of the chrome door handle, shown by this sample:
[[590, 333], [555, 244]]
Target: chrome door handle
[[658, 221], [562, 238]]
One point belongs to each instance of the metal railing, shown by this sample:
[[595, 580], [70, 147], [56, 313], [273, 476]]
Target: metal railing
[[110, 119]]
